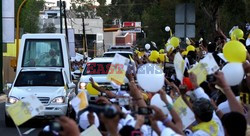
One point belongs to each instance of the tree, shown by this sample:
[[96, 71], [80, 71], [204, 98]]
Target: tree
[[84, 8], [232, 15], [156, 17], [29, 18], [49, 28]]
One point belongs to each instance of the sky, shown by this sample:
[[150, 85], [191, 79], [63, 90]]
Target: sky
[[108, 1]]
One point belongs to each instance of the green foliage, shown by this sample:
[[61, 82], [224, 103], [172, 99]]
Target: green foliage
[[84, 7], [157, 17], [156, 14], [49, 28], [29, 17], [230, 15]]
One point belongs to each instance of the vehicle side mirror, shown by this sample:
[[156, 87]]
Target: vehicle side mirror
[[71, 85]]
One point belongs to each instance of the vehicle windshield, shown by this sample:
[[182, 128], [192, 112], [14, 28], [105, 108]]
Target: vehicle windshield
[[39, 78], [113, 54], [96, 68], [42, 53]]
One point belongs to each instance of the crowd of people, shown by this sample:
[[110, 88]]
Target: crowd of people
[[219, 107], [77, 65]]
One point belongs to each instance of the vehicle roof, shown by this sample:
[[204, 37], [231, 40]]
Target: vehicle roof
[[121, 46], [102, 59], [25, 69], [43, 36], [118, 52]]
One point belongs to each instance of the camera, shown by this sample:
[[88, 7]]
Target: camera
[[144, 111], [211, 78], [147, 121], [168, 89], [109, 111]]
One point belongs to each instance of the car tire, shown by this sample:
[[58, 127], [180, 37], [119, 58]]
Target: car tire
[[8, 121]]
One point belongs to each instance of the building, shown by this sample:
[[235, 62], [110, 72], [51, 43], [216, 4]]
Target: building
[[93, 30], [50, 4]]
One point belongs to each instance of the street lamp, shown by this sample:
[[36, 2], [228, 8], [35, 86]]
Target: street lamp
[[18, 29]]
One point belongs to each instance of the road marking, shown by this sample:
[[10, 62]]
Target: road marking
[[29, 131]]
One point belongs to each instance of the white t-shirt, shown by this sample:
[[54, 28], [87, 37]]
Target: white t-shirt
[[224, 107], [84, 122], [199, 93]]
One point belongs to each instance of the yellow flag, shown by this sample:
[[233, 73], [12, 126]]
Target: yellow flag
[[84, 102], [19, 112]]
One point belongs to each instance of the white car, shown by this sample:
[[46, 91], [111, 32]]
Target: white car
[[123, 53], [75, 74], [98, 68], [121, 48], [43, 70], [50, 85]]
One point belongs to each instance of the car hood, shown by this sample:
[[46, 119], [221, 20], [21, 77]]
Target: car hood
[[52, 92], [97, 78]]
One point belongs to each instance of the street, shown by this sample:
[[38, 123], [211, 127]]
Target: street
[[31, 128]]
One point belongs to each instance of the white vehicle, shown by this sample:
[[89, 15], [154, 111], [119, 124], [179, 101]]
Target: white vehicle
[[43, 70], [123, 53], [120, 48], [75, 74], [44, 50], [48, 85], [98, 68]]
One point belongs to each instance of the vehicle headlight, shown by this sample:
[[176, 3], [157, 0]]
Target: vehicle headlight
[[58, 100], [12, 100], [82, 85]]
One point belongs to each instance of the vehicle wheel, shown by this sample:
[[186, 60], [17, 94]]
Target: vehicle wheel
[[8, 121]]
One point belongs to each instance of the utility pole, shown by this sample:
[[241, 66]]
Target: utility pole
[[83, 34], [65, 20], [60, 4], [1, 49]]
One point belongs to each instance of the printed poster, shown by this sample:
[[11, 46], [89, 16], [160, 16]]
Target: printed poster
[[25, 109], [200, 71], [91, 131], [185, 113], [211, 64], [118, 69], [179, 66]]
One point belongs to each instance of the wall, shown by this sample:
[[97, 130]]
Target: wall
[[110, 39], [8, 72], [126, 38]]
